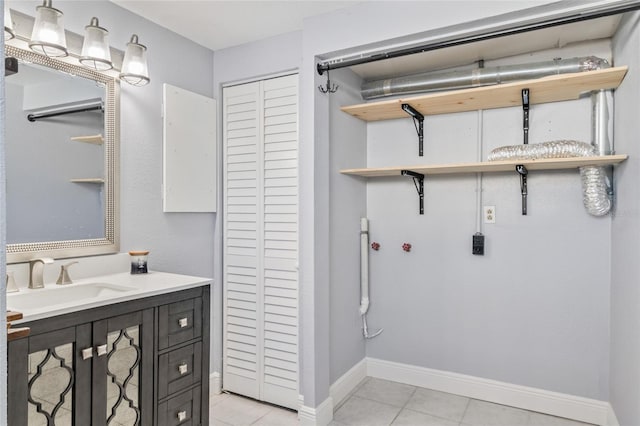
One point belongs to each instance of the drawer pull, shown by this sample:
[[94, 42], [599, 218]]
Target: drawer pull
[[183, 369], [182, 416], [87, 353], [102, 350], [183, 322]]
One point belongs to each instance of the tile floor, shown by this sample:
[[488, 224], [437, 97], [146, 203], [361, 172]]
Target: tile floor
[[234, 410], [380, 402]]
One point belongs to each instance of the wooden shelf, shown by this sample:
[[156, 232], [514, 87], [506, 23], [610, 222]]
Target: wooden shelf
[[554, 88], [490, 166], [88, 180], [95, 139]]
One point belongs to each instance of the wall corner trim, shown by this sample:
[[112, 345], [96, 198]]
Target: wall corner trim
[[612, 419], [215, 383], [342, 387], [321, 415], [534, 399]]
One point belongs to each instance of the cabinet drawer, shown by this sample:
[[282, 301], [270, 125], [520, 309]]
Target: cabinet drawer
[[179, 322], [179, 369], [181, 410]]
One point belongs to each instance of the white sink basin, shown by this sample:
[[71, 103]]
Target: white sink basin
[[27, 300]]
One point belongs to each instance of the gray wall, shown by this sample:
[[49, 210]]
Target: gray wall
[[534, 310], [179, 242], [347, 197], [366, 23], [625, 235]]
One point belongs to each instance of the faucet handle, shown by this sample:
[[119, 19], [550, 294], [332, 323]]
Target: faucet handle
[[69, 264], [44, 260], [64, 277], [11, 286]]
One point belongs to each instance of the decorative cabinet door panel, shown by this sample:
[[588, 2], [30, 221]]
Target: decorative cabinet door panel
[[50, 382], [89, 374], [124, 356]]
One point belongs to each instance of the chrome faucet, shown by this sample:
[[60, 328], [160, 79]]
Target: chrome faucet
[[36, 271], [64, 277]]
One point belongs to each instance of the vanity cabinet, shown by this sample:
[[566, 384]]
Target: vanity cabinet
[[143, 362]]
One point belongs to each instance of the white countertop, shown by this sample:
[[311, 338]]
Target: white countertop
[[128, 286]]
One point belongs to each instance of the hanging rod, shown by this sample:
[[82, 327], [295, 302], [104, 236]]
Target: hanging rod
[[567, 17], [55, 113]]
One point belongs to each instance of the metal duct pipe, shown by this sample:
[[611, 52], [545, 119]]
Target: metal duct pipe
[[595, 196], [600, 122], [427, 82]]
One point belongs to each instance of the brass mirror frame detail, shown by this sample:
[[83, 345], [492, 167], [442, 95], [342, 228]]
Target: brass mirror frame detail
[[23, 252]]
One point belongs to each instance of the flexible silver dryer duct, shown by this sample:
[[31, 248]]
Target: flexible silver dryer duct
[[594, 179], [428, 82]]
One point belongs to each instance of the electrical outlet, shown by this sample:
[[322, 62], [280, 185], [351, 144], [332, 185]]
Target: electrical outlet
[[489, 214]]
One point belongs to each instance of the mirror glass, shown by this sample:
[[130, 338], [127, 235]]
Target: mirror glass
[[49, 161], [61, 144]]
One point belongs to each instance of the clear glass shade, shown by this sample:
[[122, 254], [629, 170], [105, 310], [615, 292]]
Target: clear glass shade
[[9, 33], [95, 49], [48, 36], [134, 66]]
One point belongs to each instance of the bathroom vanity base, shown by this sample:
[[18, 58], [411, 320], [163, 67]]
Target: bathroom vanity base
[[141, 362]]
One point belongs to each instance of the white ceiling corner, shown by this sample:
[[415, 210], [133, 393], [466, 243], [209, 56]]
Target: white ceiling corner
[[217, 24]]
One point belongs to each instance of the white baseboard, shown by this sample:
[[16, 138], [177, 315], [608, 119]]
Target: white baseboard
[[322, 415], [215, 383], [554, 403], [342, 387]]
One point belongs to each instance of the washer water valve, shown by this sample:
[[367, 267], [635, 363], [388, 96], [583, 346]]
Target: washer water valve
[[375, 246], [406, 247]]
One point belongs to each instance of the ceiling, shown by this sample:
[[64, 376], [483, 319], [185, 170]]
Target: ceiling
[[217, 24]]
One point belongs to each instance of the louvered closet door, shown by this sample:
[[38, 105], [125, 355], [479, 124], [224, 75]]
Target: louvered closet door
[[261, 240]]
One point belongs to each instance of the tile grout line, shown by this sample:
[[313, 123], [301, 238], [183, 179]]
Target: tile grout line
[[261, 417], [439, 417], [415, 389], [350, 394], [464, 413]]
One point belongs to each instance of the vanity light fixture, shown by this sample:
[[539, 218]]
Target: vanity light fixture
[[134, 66], [48, 36], [9, 33], [95, 48]]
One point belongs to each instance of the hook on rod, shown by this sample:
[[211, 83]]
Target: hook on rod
[[329, 87]]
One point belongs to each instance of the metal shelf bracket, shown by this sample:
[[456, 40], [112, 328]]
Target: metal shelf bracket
[[525, 115], [523, 172], [418, 181], [418, 122]]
